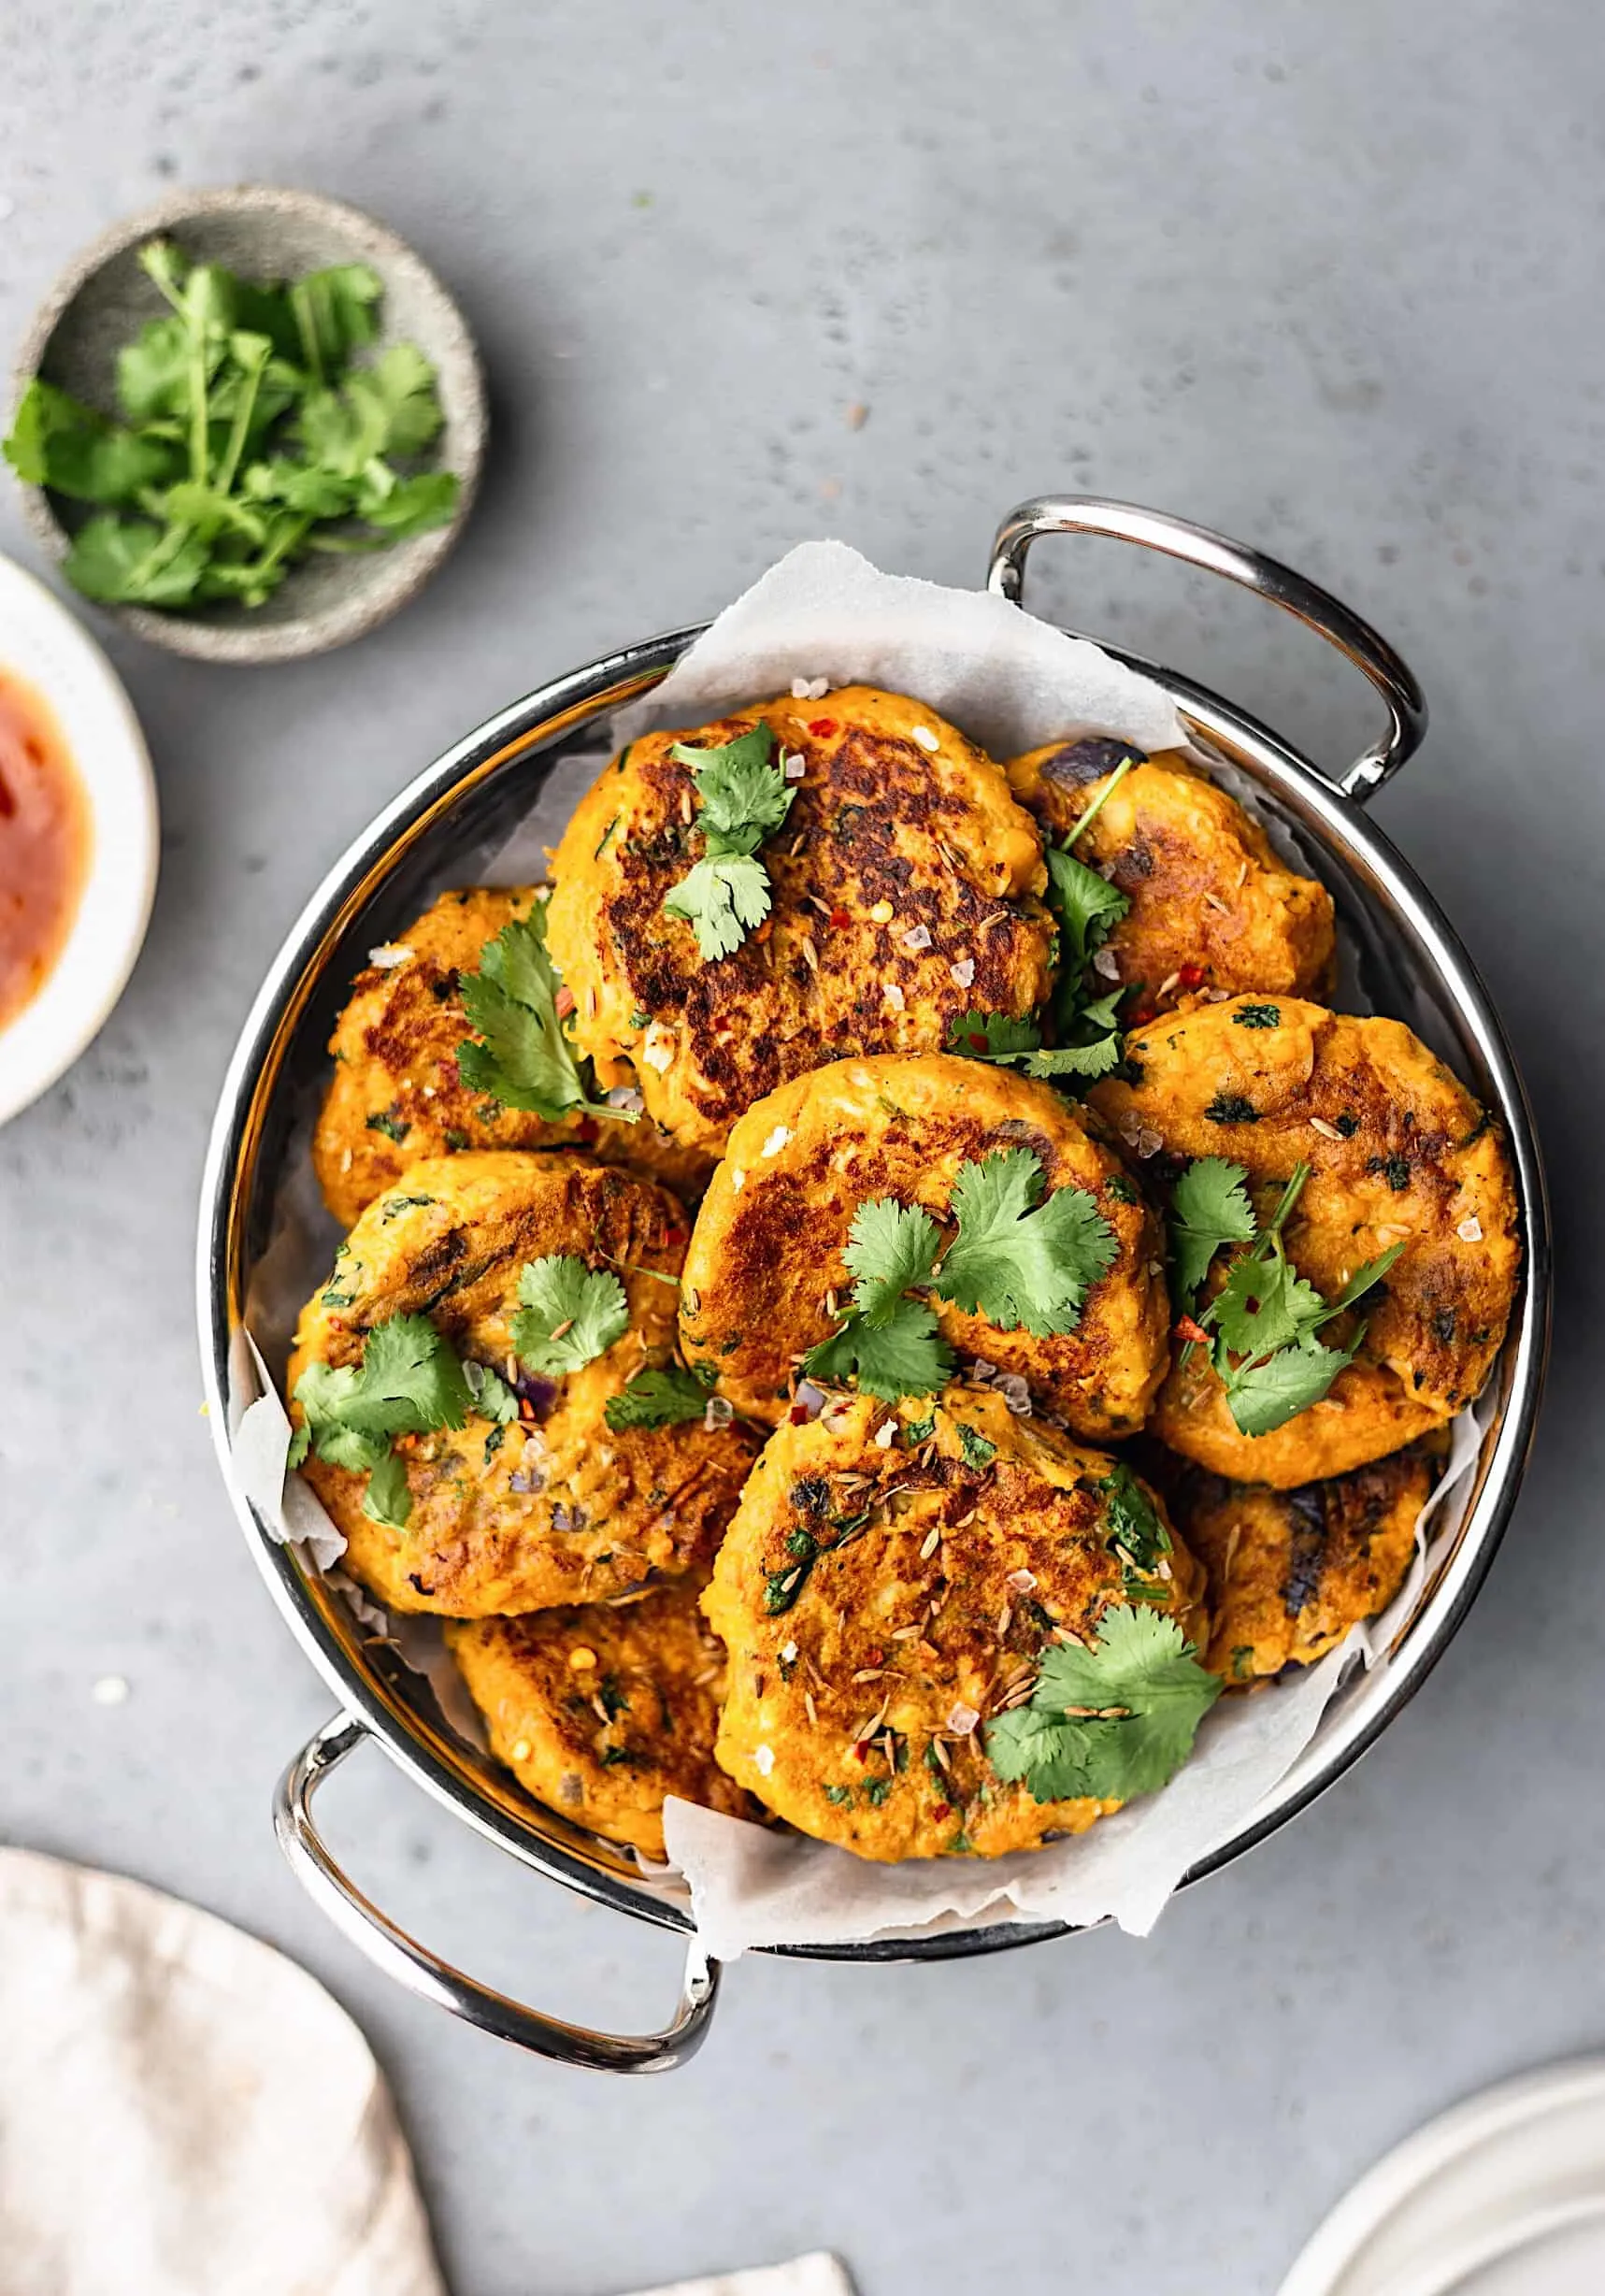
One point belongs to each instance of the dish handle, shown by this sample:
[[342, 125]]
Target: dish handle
[[427, 1975], [1217, 554]]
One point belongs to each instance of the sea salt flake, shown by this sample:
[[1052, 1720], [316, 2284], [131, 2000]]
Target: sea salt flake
[[1149, 1142], [796, 766], [718, 1414], [893, 995], [962, 973], [1470, 1232], [918, 941], [1106, 962], [923, 736], [657, 1047], [1021, 1581], [390, 953], [885, 1433], [962, 1720]]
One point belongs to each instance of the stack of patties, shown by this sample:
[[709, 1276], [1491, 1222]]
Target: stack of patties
[[1024, 1140]]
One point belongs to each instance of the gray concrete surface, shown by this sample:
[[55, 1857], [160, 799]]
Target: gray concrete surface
[[1326, 276]]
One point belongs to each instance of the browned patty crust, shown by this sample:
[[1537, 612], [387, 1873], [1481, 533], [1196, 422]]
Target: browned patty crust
[[905, 888], [396, 1095], [604, 1711], [764, 1279], [881, 1602], [1291, 1572], [559, 1507], [1399, 1153], [1212, 907]]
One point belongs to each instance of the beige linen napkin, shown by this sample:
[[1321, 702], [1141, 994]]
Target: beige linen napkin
[[182, 2111]]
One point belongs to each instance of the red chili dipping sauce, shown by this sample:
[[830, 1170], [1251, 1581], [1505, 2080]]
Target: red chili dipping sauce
[[44, 844]]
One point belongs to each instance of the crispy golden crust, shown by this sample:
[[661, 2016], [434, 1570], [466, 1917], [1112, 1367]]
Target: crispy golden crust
[[1211, 905], [559, 1508], [1291, 1572], [766, 1253], [852, 1677], [886, 837], [1400, 1153], [396, 1095], [604, 1711]]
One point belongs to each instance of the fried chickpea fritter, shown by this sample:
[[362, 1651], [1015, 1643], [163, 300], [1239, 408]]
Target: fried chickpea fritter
[[765, 1257], [1291, 1572], [604, 1711], [902, 862], [395, 1094], [1399, 1153], [559, 1507], [1212, 905], [881, 1603]]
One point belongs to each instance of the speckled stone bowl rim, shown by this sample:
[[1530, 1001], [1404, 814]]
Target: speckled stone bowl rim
[[462, 386]]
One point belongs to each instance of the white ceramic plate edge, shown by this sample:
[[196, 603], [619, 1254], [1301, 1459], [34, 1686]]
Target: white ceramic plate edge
[[43, 644]]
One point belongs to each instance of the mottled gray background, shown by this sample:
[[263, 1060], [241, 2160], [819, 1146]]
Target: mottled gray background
[[1327, 277]]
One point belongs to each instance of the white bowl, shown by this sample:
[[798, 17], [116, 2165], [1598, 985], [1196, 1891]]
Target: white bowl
[[42, 644]]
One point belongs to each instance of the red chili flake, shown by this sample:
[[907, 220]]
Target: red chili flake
[[977, 1043], [798, 1414], [562, 1003], [823, 726], [839, 919], [675, 1235], [1144, 1012], [1185, 1328], [861, 1750], [1191, 976], [940, 1809], [875, 1656], [588, 1129]]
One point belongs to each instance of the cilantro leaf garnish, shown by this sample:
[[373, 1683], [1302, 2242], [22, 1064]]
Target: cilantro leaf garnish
[[527, 1060], [569, 1313], [494, 1400], [1262, 1323], [722, 897], [410, 1381], [250, 439], [1011, 1043], [1208, 1207], [743, 798], [1020, 1262], [1115, 1721], [902, 1354], [667, 1397], [891, 1248], [1134, 1521], [1087, 905]]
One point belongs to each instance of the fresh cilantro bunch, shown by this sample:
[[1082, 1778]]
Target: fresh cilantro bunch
[[410, 1381], [1110, 1722], [743, 798], [1262, 1325], [669, 1397], [568, 1316], [1086, 909], [528, 1060], [248, 439], [1023, 1263]]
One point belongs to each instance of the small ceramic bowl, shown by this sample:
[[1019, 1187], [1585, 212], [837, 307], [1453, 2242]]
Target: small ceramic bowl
[[42, 644], [102, 300]]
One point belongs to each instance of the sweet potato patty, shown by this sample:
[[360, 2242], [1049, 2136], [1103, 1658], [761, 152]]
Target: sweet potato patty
[[1399, 1153], [1291, 1572], [557, 1507], [764, 1279], [881, 1602], [395, 1094], [605, 1710], [905, 883], [1212, 905]]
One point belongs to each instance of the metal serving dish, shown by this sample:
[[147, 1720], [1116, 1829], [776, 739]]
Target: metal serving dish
[[440, 829]]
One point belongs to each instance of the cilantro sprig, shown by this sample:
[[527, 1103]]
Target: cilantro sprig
[[569, 1314], [250, 439], [1111, 1722], [1022, 1262], [527, 1060], [669, 1397], [743, 798], [1086, 909], [410, 1381], [1263, 1324]]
